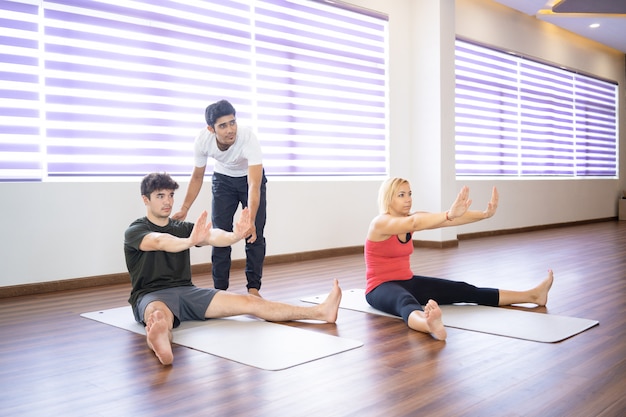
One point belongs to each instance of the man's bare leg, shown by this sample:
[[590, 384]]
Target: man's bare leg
[[159, 322], [429, 321], [227, 304], [254, 291], [537, 295]]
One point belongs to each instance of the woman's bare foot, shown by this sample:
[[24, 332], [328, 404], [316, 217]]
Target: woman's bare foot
[[159, 337], [330, 307], [540, 292], [432, 314]]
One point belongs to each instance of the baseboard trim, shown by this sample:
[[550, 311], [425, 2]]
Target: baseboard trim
[[467, 236], [198, 269], [63, 285], [435, 245]]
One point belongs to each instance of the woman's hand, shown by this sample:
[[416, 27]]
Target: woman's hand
[[493, 204], [460, 205]]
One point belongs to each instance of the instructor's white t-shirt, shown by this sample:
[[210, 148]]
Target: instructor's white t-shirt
[[235, 160]]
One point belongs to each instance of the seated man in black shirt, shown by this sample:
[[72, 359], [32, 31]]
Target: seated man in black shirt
[[163, 295]]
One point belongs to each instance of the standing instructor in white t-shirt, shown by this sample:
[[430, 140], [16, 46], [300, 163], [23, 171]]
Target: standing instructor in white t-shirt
[[238, 177]]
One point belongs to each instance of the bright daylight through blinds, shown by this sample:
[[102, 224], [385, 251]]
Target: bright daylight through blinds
[[119, 87], [518, 117]]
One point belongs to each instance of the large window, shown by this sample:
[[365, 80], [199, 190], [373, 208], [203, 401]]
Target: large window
[[519, 117], [119, 87]]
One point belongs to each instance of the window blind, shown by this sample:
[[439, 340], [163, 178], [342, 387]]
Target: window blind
[[21, 154], [519, 117], [119, 87], [596, 127], [126, 81], [546, 132], [321, 80]]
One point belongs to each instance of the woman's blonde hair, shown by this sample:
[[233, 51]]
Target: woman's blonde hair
[[387, 190]]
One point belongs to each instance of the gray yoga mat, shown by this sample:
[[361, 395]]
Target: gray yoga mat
[[518, 324], [276, 346]]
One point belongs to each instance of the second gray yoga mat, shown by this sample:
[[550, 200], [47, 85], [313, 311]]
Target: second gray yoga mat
[[493, 320]]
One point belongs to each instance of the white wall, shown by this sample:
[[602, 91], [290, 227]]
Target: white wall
[[64, 230]]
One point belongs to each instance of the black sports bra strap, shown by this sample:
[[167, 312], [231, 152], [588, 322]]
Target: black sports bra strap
[[407, 238]]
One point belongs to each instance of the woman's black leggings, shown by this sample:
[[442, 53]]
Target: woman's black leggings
[[401, 298]]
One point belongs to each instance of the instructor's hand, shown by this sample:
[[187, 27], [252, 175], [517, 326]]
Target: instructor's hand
[[180, 215]]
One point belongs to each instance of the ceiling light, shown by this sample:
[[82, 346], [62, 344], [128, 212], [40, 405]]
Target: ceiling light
[[594, 25]]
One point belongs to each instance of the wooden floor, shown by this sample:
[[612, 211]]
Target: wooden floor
[[55, 363]]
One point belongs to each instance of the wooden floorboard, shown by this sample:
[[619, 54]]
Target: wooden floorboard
[[55, 363]]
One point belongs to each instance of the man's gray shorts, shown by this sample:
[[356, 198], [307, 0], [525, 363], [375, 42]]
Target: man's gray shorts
[[186, 303]]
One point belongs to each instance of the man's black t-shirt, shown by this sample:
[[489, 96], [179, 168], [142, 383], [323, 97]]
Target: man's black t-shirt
[[155, 270]]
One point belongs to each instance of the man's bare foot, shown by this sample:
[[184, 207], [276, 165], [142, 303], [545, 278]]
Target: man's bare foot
[[159, 337], [254, 291], [541, 290], [330, 307], [432, 313]]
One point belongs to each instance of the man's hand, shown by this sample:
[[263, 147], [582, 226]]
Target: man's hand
[[242, 227], [201, 229], [180, 215], [250, 234]]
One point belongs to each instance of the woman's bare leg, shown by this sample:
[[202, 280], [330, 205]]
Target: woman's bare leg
[[159, 322], [225, 304], [428, 321], [537, 295]]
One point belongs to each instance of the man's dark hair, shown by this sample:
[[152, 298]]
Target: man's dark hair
[[216, 110], [157, 181]]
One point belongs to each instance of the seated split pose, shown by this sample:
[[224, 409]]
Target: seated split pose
[[162, 296], [392, 287]]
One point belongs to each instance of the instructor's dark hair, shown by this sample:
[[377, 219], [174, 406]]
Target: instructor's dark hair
[[216, 110], [157, 181]]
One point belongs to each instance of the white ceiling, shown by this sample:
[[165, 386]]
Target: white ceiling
[[576, 16]]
